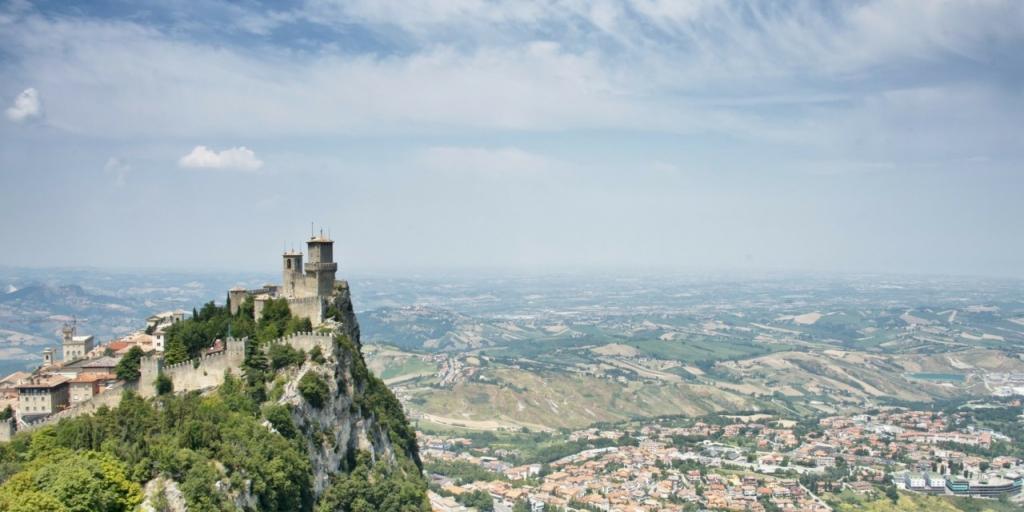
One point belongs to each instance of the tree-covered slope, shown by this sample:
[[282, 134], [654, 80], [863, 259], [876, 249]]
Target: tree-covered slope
[[291, 431]]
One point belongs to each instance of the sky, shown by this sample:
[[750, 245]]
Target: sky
[[808, 136]]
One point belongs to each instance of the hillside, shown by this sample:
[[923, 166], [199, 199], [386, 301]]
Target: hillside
[[291, 430]]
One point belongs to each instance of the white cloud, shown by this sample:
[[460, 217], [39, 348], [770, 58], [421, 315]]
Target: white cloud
[[26, 106], [239, 158], [119, 169]]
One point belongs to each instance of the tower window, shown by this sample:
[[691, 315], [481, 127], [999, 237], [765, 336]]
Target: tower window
[[289, 263]]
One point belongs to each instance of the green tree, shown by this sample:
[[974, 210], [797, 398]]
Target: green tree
[[281, 419], [127, 368], [164, 385], [317, 355], [314, 389], [71, 481], [480, 500], [892, 494], [282, 355]]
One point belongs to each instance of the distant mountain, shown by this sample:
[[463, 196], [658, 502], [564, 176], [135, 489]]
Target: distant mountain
[[43, 293], [66, 299]]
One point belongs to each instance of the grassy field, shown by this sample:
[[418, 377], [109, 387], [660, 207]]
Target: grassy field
[[407, 366], [513, 397], [912, 502], [694, 349]]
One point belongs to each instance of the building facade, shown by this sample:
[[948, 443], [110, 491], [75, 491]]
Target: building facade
[[43, 395], [75, 347]]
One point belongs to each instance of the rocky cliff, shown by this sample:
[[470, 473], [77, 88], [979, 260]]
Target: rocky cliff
[[351, 428], [354, 418]]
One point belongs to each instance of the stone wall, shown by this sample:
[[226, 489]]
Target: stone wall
[[195, 375], [207, 371], [308, 307], [6, 430], [305, 341]]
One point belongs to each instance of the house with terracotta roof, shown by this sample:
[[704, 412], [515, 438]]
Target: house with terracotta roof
[[88, 385]]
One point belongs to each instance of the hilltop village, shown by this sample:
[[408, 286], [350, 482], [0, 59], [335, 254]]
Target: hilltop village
[[85, 377]]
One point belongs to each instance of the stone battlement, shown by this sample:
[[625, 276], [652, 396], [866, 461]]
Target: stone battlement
[[198, 360], [197, 374], [210, 370]]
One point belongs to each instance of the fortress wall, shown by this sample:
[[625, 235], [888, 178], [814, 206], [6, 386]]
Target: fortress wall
[[197, 374], [305, 341], [205, 372], [308, 307], [6, 430]]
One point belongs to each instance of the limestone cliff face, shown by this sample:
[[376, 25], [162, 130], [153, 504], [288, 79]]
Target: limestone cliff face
[[348, 421], [336, 430]]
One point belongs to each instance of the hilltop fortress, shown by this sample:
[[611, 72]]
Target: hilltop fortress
[[311, 289]]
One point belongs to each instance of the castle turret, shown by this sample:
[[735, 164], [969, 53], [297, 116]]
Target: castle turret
[[321, 266], [236, 296], [292, 281], [150, 367]]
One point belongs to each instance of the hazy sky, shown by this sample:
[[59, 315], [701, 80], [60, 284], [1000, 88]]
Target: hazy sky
[[826, 136]]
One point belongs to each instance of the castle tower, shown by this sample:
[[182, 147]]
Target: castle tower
[[292, 281], [150, 367], [321, 268], [47, 356], [75, 347], [236, 296]]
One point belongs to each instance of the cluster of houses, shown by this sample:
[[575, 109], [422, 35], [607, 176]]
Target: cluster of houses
[[749, 464], [988, 486], [932, 447], [86, 369]]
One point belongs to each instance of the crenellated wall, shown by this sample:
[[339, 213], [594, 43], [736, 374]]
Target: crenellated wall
[[207, 371], [195, 375], [305, 341]]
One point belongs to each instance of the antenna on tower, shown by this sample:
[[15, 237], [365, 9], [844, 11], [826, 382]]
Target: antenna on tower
[[311, 229]]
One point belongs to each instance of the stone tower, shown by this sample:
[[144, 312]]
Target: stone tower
[[321, 268], [308, 287], [75, 347], [150, 367], [236, 296], [292, 281]]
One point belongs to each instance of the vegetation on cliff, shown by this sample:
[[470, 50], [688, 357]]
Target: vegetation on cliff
[[187, 339], [227, 449], [196, 440]]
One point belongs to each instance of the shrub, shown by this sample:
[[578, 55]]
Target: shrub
[[316, 355], [281, 419], [283, 355], [314, 389], [164, 384], [128, 367]]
